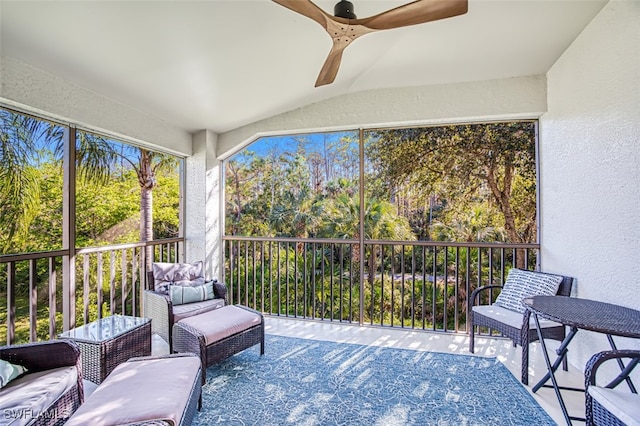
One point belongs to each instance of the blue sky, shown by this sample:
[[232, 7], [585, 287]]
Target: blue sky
[[280, 144]]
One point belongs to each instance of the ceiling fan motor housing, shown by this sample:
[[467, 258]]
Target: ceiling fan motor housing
[[344, 9]]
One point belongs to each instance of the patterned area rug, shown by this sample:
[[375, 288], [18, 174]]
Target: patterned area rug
[[311, 382]]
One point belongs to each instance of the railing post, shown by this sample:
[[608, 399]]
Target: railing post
[[362, 229], [11, 302]]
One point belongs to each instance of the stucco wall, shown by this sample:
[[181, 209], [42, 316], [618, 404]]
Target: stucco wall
[[38, 92], [202, 195], [590, 166], [523, 97]]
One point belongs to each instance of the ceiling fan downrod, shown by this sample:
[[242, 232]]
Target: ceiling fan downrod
[[344, 9]]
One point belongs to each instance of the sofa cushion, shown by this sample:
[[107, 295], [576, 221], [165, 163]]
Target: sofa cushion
[[35, 393], [181, 294], [190, 309], [623, 405], [141, 390], [9, 371], [521, 284], [165, 274]]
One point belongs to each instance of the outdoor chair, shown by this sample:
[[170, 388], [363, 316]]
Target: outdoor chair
[[608, 404], [51, 388], [178, 291], [509, 316]]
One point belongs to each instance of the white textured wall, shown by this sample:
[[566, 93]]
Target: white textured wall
[[41, 93], [202, 223], [523, 97], [590, 166], [195, 195]]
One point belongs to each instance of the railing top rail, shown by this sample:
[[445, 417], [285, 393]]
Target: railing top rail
[[6, 258], [383, 242], [125, 246], [18, 257], [87, 250], [290, 239]]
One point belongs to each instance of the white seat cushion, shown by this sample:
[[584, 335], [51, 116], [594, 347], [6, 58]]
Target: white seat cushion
[[34, 393], [511, 318], [624, 405]]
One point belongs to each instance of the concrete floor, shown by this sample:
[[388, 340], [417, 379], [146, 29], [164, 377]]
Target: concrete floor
[[437, 342]]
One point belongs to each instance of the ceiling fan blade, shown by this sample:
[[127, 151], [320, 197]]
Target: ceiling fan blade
[[306, 8], [413, 13], [331, 64]]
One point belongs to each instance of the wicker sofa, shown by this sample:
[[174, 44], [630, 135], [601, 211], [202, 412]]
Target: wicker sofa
[[51, 390], [159, 307]]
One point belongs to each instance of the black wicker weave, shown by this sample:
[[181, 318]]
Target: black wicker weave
[[110, 341], [189, 339], [580, 314], [42, 356], [596, 414], [519, 336], [159, 309]]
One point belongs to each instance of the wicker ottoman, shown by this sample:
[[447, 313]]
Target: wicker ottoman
[[216, 335], [145, 391]]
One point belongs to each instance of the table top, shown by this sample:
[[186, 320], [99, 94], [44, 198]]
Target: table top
[[587, 314], [104, 329]]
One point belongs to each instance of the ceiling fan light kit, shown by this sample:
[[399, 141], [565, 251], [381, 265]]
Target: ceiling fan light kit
[[344, 27]]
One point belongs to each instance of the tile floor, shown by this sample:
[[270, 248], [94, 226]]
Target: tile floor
[[438, 342]]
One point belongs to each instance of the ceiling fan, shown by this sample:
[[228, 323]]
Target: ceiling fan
[[344, 27]]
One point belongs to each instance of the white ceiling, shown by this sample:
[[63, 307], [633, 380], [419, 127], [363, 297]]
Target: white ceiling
[[220, 64]]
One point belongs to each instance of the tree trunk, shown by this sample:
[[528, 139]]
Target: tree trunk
[[146, 223], [146, 178]]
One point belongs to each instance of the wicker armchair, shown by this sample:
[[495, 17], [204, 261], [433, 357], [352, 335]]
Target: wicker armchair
[[606, 405], [37, 358], [518, 327], [163, 313]]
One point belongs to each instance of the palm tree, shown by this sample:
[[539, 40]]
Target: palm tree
[[380, 222], [147, 165], [19, 190], [96, 157], [474, 225]]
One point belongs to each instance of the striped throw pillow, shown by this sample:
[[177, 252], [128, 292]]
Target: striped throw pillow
[[521, 284]]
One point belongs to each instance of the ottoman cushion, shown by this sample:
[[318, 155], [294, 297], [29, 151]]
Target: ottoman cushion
[[224, 322], [141, 390]]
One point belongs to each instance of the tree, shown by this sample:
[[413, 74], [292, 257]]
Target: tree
[[21, 139], [462, 164], [147, 164], [342, 219]]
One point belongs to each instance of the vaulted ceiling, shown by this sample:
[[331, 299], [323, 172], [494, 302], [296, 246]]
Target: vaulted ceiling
[[221, 64]]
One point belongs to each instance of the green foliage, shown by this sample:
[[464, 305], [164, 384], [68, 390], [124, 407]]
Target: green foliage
[[472, 174], [111, 178]]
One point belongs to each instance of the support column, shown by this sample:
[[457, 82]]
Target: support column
[[202, 224], [69, 231]]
